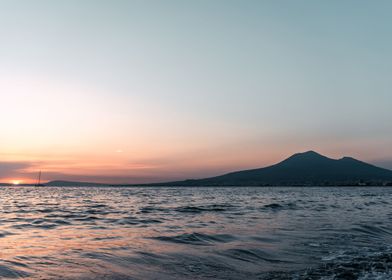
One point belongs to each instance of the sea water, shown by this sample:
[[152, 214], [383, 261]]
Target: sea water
[[196, 233]]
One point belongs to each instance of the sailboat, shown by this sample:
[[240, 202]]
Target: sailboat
[[38, 184]]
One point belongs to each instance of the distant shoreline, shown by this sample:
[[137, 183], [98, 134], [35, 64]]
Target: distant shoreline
[[190, 186], [306, 169]]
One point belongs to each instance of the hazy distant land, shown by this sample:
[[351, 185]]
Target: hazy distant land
[[301, 169]]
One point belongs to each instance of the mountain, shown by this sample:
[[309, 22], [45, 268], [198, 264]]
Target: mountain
[[309, 168], [301, 169]]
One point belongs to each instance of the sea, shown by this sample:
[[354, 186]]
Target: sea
[[196, 233]]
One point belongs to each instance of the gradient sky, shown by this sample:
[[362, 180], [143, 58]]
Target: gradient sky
[[146, 91]]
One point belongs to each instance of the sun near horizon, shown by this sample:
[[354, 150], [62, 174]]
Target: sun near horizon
[[16, 182]]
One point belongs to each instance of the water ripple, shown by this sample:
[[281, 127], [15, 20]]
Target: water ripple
[[195, 233]]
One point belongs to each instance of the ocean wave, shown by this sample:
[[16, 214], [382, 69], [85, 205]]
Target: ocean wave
[[12, 273], [351, 265], [197, 238], [251, 255], [280, 206], [205, 208]]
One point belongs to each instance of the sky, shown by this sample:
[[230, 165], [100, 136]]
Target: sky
[[147, 91]]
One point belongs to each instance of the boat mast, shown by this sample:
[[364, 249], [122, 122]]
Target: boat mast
[[39, 178]]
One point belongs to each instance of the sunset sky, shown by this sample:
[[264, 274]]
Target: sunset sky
[[147, 91]]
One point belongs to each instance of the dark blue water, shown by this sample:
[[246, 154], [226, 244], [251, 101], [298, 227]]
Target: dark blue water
[[196, 233]]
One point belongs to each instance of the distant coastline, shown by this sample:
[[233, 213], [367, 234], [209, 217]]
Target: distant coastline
[[299, 170]]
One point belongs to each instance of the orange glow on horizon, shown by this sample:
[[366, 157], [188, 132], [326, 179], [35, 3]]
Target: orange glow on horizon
[[16, 182], [125, 164]]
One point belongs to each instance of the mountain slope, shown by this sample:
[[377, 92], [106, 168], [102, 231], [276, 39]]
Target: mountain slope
[[302, 169]]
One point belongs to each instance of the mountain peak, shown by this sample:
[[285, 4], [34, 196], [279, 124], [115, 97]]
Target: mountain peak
[[348, 158], [307, 155], [308, 158]]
